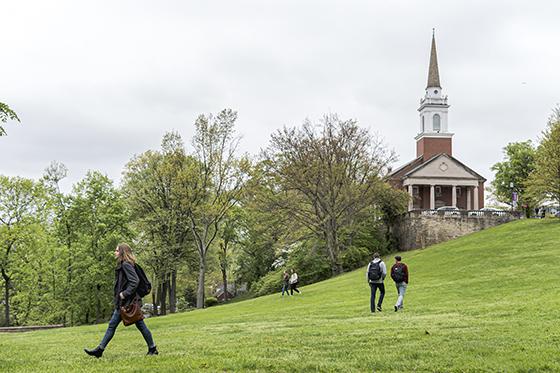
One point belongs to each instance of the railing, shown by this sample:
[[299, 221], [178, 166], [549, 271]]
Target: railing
[[465, 213]]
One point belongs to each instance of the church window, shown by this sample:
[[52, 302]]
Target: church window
[[438, 191], [437, 123], [423, 130], [415, 191], [458, 191]]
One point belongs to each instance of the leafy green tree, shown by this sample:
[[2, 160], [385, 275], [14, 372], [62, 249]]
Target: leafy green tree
[[326, 175], [513, 172], [6, 114], [102, 220], [22, 203], [158, 214], [544, 182], [212, 184]]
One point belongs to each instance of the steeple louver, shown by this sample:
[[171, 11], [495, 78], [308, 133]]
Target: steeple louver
[[433, 72]]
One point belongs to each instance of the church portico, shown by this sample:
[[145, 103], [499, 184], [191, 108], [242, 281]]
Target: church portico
[[439, 193]]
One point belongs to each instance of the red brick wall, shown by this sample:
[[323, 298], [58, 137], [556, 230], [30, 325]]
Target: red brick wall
[[428, 147]]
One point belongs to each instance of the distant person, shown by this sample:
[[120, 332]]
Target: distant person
[[375, 275], [399, 274], [294, 282], [126, 283], [543, 213], [285, 283]]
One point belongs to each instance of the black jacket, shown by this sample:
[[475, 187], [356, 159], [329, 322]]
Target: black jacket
[[126, 282]]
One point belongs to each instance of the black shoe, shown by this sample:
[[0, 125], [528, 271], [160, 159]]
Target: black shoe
[[379, 308], [97, 352], [152, 351], [396, 308]]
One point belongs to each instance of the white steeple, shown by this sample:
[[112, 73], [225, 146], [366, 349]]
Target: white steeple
[[433, 107]]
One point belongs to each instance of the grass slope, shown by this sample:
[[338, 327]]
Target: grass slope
[[484, 302]]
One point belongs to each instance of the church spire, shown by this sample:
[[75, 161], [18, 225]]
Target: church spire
[[433, 72]]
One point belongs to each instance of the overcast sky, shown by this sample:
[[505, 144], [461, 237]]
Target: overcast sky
[[96, 82]]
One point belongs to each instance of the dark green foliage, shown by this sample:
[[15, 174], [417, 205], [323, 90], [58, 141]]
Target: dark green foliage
[[354, 257], [210, 301], [513, 172]]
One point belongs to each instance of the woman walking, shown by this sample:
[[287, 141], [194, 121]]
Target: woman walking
[[285, 283], [126, 282], [294, 281]]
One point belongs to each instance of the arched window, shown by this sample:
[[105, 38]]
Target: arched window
[[423, 129], [437, 123]]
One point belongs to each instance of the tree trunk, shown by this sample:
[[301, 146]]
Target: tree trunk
[[223, 268], [164, 296], [332, 248], [172, 293], [201, 275], [97, 304], [154, 300], [158, 304], [6, 298]]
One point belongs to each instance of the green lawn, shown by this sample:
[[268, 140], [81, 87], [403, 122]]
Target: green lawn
[[484, 302]]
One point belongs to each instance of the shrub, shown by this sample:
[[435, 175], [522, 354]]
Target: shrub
[[210, 301], [354, 257]]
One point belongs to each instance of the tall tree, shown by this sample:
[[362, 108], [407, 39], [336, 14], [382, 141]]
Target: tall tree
[[544, 182], [326, 173], [213, 183], [6, 114], [149, 185], [513, 173], [101, 217], [22, 203]]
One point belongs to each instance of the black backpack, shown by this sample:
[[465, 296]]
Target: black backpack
[[144, 285], [374, 272], [397, 273]]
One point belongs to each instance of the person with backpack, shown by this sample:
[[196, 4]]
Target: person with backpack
[[375, 274], [294, 282], [131, 284], [399, 274], [285, 283]]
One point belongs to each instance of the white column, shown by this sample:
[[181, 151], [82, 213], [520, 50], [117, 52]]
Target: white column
[[454, 196], [411, 198], [475, 198], [432, 197], [469, 191]]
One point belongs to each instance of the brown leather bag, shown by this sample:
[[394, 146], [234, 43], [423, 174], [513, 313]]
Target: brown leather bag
[[131, 314]]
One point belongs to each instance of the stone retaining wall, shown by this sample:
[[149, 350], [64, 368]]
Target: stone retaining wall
[[420, 231]]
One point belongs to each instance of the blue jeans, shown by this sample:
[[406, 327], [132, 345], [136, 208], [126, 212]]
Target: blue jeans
[[114, 322], [374, 287], [285, 288], [401, 290]]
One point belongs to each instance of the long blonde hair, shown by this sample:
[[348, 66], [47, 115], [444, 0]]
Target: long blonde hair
[[125, 254]]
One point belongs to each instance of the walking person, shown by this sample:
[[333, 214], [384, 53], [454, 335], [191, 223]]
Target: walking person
[[375, 275], [126, 284], [294, 281], [285, 283], [399, 274]]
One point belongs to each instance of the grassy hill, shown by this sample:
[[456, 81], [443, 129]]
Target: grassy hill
[[484, 302]]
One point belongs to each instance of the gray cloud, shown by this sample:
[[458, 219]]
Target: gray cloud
[[96, 83]]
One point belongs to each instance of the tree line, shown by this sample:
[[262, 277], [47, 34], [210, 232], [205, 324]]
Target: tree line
[[198, 216], [531, 171]]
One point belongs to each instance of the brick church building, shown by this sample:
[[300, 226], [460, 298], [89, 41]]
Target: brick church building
[[436, 178]]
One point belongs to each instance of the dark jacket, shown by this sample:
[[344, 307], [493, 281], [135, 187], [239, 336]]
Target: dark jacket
[[126, 282], [405, 270]]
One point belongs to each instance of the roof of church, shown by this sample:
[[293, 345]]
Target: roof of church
[[427, 162], [405, 168], [433, 72]]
